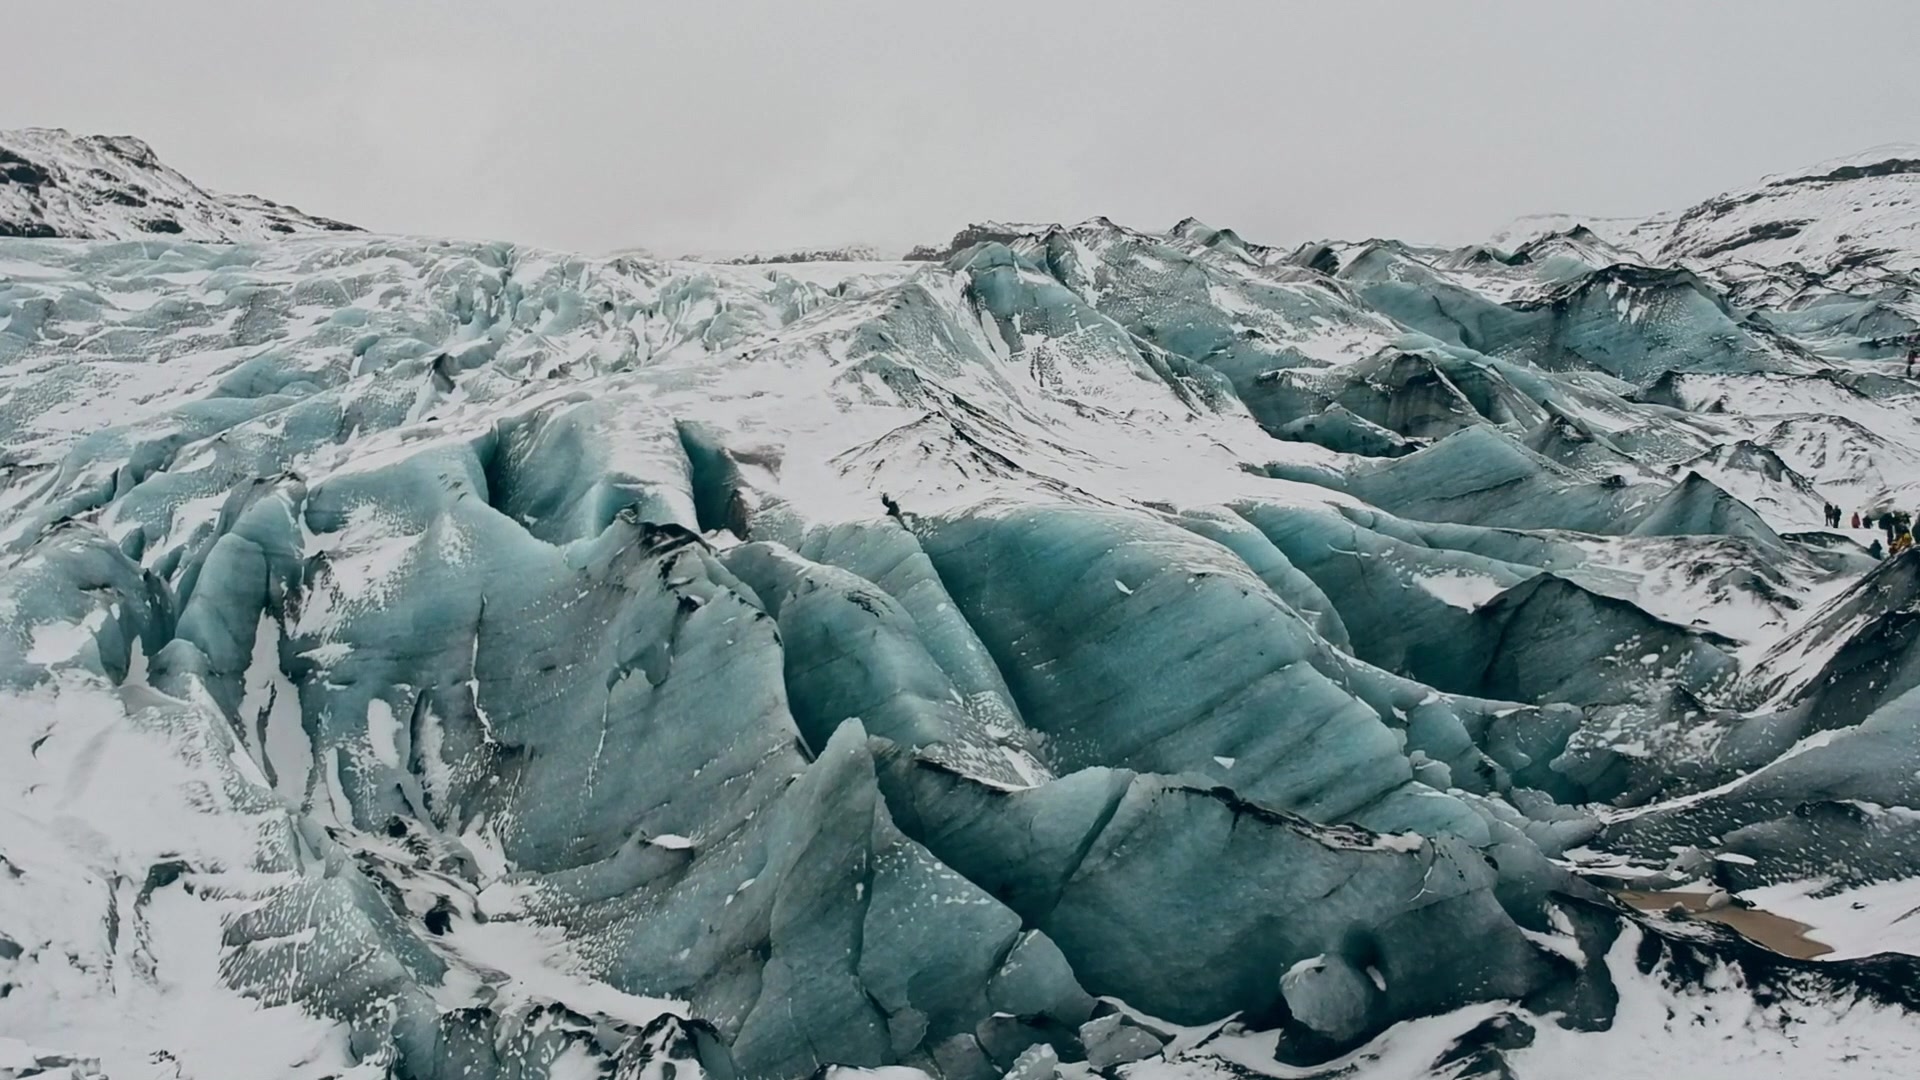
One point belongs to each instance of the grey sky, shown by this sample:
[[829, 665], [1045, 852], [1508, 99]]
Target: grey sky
[[727, 126]]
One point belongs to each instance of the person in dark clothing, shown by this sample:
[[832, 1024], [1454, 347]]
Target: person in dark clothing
[[1856, 519], [1874, 550]]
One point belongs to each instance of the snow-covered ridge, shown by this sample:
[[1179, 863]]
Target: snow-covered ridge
[[1884, 159], [113, 187], [839, 253], [1857, 210], [1861, 208], [1629, 233]]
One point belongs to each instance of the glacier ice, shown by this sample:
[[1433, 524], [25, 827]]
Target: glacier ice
[[1066, 650]]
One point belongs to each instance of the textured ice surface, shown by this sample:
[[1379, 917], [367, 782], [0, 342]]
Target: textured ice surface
[[446, 659]]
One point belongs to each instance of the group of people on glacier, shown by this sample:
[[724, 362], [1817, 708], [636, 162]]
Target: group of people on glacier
[[1896, 524]]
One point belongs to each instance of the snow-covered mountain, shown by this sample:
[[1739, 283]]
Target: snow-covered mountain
[[844, 253], [1639, 235], [1846, 226], [1857, 209], [112, 187], [1069, 650]]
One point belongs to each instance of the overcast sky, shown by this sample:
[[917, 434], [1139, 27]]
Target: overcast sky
[[733, 126]]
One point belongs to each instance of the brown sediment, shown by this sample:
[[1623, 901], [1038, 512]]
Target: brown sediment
[[1777, 932]]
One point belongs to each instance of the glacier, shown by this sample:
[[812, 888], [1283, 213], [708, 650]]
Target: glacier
[[1066, 649]]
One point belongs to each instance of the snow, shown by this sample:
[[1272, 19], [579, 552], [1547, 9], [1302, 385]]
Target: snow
[[1827, 216], [59, 641], [88, 804], [113, 188], [365, 562], [885, 1072], [1660, 1029], [17, 1058], [1860, 921], [1811, 742], [1821, 219], [1628, 233], [383, 733], [287, 753], [1461, 590], [523, 961]]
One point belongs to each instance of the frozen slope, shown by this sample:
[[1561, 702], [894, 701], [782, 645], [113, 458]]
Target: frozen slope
[[445, 659]]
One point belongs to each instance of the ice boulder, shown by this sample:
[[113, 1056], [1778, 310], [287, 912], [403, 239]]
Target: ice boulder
[[1330, 996]]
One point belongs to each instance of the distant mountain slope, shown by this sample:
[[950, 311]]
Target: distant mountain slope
[[1644, 235], [113, 187], [1861, 208], [846, 253]]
